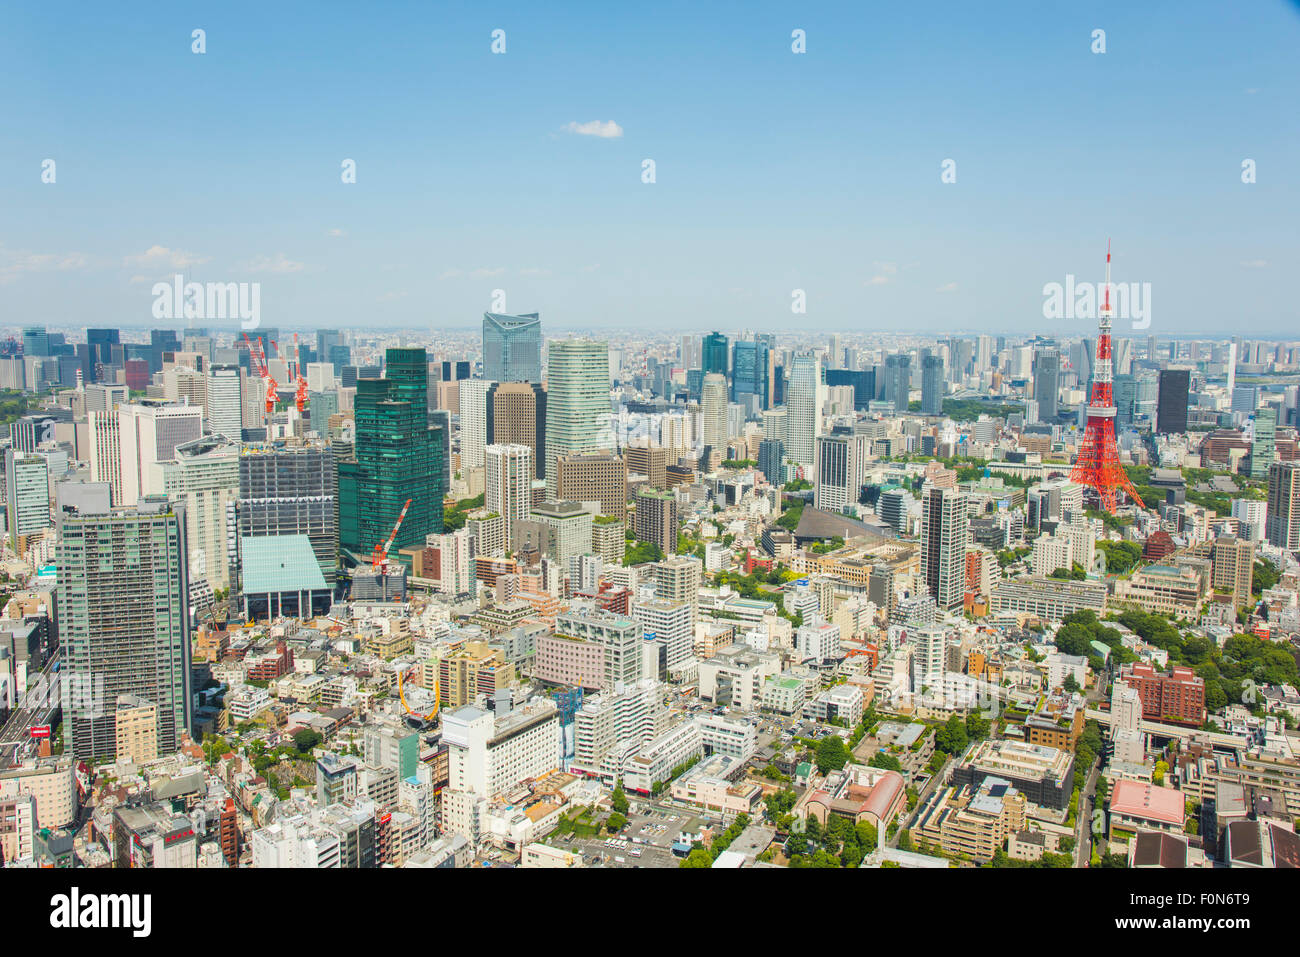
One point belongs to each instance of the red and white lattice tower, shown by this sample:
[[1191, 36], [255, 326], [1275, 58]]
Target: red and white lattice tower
[[1097, 466]]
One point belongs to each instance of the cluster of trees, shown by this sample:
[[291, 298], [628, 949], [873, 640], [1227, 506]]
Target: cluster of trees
[[1009, 555], [740, 464], [1121, 557], [1232, 673], [789, 519], [453, 518], [832, 754], [1075, 572], [1080, 629], [841, 843], [637, 553]]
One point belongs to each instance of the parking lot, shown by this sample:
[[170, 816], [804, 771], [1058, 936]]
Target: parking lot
[[645, 842]]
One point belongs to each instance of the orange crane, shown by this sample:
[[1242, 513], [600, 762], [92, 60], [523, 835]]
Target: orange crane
[[380, 558], [263, 370], [300, 395]]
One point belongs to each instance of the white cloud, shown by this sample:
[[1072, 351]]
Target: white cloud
[[449, 274], [485, 273], [948, 287], [1255, 263], [876, 281], [14, 264], [335, 233], [534, 273], [392, 296], [592, 268], [160, 257], [278, 263], [606, 131]]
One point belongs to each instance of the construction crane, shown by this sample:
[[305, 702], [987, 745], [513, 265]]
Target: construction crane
[[300, 394], [380, 558], [256, 353]]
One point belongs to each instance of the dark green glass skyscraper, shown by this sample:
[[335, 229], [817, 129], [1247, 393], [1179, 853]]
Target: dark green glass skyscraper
[[398, 456], [714, 353]]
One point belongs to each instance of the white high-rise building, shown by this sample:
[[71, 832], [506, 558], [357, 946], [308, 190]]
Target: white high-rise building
[[473, 422], [803, 409], [508, 488], [670, 624], [713, 412], [225, 406], [943, 545], [490, 752], [930, 658], [149, 433], [616, 719]]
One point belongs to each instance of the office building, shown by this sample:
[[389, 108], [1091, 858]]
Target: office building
[[932, 383], [1171, 401], [148, 433], [841, 468], [291, 490], [27, 496], [803, 409], [655, 519], [473, 422], [714, 354], [204, 475], [516, 415], [225, 409], [1263, 444], [577, 402], [512, 348], [1047, 381], [1282, 520], [599, 478], [396, 458], [713, 412]]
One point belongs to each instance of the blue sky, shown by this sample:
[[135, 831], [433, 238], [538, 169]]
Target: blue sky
[[774, 171]]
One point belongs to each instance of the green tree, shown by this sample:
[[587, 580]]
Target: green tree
[[618, 800], [950, 737], [697, 858], [304, 739], [832, 754], [615, 822]]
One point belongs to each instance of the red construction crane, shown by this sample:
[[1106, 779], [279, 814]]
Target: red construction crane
[[300, 394], [259, 357], [380, 557]]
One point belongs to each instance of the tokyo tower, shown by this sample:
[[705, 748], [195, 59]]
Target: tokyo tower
[[1097, 466]]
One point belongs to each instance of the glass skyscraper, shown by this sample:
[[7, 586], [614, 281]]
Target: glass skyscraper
[[714, 354], [751, 371], [512, 348], [398, 456], [577, 402]]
